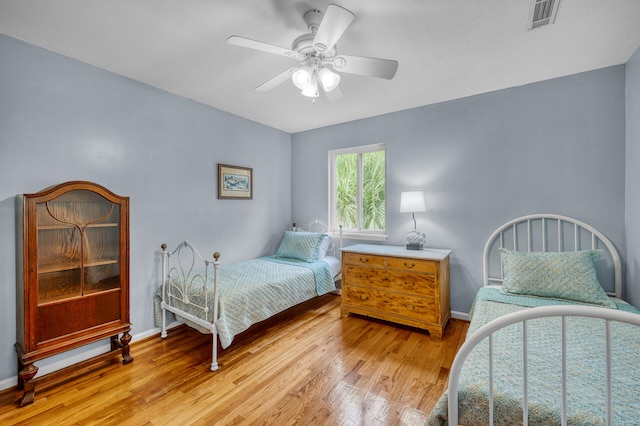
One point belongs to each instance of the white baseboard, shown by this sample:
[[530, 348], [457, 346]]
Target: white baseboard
[[460, 315], [8, 383], [55, 366]]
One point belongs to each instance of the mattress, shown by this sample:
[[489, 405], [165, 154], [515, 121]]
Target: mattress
[[586, 400], [334, 265]]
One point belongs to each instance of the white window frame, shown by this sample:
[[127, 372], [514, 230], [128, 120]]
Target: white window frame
[[367, 235]]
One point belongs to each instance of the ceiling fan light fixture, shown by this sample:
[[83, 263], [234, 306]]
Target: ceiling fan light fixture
[[316, 50], [302, 78], [312, 90], [328, 79]]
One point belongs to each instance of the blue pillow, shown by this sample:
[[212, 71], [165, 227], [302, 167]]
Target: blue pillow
[[300, 245], [567, 275]]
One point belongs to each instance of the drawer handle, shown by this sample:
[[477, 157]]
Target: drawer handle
[[364, 297], [409, 266], [364, 259]]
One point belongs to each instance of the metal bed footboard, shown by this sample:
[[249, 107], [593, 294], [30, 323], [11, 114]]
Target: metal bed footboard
[[487, 331], [187, 272]]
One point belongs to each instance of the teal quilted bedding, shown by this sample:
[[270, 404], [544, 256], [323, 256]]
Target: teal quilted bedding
[[254, 290], [586, 369]]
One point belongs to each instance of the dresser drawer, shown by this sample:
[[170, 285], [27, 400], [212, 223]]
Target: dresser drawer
[[390, 280], [422, 308], [363, 259], [398, 285], [414, 265]]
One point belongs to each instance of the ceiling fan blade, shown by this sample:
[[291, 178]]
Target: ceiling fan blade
[[275, 81], [335, 95], [335, 22], [374, 67], [263, 47]]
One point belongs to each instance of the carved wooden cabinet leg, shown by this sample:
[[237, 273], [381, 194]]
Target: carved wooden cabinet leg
[[20, 367], [123, 343], [25, 381]]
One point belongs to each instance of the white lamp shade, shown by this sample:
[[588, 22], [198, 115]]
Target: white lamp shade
[[412, 201], [311, 91], [329, 79], [302, 78]]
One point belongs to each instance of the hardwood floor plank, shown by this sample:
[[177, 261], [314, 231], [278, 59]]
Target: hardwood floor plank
[[306, 366]]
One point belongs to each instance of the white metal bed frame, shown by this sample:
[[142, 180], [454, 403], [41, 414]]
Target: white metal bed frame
[[523, 316], [512, 235], [583, 237], [183, 275], [176, 282]]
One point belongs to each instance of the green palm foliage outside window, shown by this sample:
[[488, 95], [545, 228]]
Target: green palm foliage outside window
[[372, 194]]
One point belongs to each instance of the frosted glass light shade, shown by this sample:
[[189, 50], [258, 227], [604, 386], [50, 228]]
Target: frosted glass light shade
[[302, 78], [329, 79], [311, 91], [412, 201]]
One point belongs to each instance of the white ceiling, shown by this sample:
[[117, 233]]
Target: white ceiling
[[446, 49]]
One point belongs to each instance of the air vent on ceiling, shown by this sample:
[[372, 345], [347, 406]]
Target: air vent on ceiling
[[543, 12]]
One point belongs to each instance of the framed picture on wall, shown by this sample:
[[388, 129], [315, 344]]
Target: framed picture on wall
[[235, 182]]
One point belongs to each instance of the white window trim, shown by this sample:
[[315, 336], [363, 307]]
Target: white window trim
[[333, 227], [363, 236]]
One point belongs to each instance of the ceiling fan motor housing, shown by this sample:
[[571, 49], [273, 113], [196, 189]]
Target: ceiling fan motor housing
[[304, 43], [313, 18]]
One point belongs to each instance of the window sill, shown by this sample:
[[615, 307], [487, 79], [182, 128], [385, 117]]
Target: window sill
[[360, 236]]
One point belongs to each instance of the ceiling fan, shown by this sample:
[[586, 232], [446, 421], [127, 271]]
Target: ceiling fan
[[316, 53]]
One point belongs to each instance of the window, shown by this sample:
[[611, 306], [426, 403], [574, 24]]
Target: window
[[357, 185]]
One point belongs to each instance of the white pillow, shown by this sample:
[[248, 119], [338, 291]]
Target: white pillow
[[324, 247]]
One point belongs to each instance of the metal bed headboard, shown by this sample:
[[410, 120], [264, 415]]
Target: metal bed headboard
[[319, 226], [552, 233]]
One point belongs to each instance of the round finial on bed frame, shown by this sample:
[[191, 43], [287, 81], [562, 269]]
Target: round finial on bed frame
[[216, 256], [163, 246]]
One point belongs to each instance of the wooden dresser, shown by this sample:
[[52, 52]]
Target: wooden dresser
[[391, 283]]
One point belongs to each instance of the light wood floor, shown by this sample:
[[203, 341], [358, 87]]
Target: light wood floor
[[308, 366]]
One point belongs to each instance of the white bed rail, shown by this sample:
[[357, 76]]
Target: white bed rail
[[564, 311], [182, 275]]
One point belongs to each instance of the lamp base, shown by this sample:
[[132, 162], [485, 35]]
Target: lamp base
[[414, 246]]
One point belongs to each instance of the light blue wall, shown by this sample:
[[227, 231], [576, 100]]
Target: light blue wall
[[63, 120], [555, 147], [633, 178]]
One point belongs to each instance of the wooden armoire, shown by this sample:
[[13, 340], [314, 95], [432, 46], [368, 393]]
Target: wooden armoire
[[72, 276]]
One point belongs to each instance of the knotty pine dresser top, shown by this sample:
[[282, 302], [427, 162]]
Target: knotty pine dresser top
[[398, 251]]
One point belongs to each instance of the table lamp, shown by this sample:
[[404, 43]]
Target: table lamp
[[413, 201]]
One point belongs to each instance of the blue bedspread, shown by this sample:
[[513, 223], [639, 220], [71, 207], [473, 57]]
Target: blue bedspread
[[254, 290], [586, 368]]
